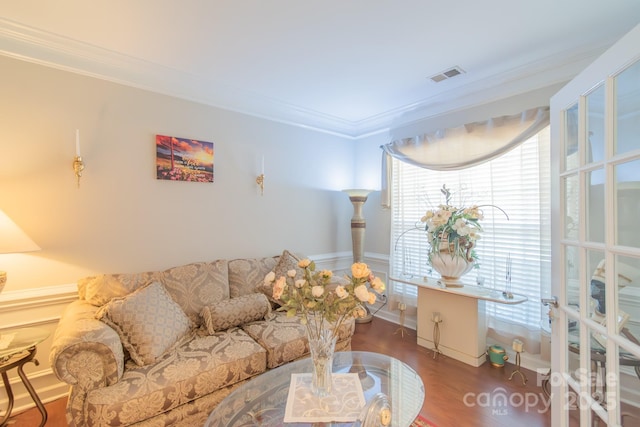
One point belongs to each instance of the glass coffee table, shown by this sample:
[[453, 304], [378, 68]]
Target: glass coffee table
[[262, 400]]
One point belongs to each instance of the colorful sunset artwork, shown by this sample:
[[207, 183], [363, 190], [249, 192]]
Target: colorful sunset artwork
[[181, 159]]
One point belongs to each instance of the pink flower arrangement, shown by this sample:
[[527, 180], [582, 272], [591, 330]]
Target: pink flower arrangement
[[321, 300]]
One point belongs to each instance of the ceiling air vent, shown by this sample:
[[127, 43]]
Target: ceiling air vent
[[445, 75]]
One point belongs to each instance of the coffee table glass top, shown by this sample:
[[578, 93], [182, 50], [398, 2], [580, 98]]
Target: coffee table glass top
[[16, 340], [262, 400]]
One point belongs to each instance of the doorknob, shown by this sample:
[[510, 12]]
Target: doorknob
[[553, 301]]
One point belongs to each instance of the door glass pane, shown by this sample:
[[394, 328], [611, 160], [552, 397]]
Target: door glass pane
[[627, 115], [595, 206], [597, 371], [571, 274], [574, 410], [572, 366], [573, 344], [571, 137], [627, 181], [572, 207], [628, 293], [595, 125], [629, 386], [595, 273]]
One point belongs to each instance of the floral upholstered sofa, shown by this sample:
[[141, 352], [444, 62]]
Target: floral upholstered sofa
[[164, 348]]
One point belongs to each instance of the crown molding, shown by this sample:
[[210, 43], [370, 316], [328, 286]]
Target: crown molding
[[44, 48]]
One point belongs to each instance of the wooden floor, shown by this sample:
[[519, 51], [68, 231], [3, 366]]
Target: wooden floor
[[455, 394]]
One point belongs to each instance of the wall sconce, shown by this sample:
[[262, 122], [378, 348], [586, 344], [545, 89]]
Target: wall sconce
[[260, 182], [260, 179], [78, 164], [13, 240]]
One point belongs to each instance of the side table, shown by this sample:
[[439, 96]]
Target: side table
[[18, 347], [461, 318]]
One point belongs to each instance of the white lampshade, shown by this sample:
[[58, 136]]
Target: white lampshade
[[12, 240]]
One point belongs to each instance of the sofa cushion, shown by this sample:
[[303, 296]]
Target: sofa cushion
[[285, 338], [196, 285], [202, 365], [235, 312], [246, 274], [286, 262], [148, 321], [99, 290]]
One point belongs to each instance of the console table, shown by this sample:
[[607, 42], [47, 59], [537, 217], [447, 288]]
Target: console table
[[17, 347], [262, 400], [463, 329]]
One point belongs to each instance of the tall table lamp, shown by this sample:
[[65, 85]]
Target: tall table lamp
[[358, 198], [13, 240]]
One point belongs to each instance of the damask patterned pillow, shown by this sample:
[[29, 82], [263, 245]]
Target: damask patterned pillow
[[287, 262], [198, 284], [99, 290], [148, 321], [235, 312]]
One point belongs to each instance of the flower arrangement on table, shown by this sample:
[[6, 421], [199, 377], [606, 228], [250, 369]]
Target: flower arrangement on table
[[319, 301], [456, 227], [453, 228]]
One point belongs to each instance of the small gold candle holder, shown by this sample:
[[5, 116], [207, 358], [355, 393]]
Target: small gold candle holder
[[518, 347], [78, 167], [436, 319], [260, 182]]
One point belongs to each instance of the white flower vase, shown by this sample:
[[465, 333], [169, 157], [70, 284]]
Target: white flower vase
[[451, 267], [322, 348]]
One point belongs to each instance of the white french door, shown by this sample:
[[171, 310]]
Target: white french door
[[595, 139]]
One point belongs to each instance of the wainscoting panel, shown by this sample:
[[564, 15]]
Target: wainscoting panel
[[39, 308]]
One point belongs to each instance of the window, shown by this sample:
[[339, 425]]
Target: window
[[519, 183]]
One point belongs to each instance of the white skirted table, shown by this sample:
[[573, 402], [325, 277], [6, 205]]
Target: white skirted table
[[460, 313]]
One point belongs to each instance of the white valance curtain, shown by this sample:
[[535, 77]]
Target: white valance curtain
[[463, 146], [455, 149]]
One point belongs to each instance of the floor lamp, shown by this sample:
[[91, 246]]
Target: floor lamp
[[358, 198]]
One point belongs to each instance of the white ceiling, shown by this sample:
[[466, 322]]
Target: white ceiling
[[349, 67]]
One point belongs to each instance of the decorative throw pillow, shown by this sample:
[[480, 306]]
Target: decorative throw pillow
[[198, 284], [102, 289], [235, 312], [287, 262], [99, 290], [148, 321]]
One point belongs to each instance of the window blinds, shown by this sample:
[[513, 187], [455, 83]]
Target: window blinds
[[519, 183]]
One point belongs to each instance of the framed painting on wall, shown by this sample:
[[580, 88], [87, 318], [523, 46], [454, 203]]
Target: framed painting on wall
[[182, 159]]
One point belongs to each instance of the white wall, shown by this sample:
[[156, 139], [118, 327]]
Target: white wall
[[122, 219]]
